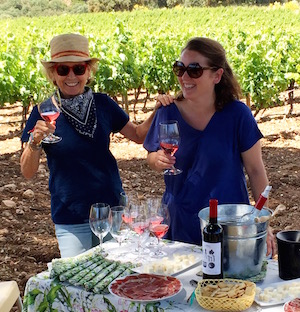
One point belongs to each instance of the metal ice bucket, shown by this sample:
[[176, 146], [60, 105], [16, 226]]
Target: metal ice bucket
[[244, 242]]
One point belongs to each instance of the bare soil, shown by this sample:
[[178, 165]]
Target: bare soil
[[27, 238]]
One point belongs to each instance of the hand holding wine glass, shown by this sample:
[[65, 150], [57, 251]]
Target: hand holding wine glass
[[169, 141], [50, 111], [100, 221]]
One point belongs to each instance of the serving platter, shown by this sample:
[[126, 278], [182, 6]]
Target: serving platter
[[277, 293], [292, 305], [145, 288], [173, 264]]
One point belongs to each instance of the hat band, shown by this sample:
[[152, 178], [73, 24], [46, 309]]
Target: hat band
[[70, 53]]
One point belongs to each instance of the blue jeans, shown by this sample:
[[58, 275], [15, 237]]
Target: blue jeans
[[74, 239]]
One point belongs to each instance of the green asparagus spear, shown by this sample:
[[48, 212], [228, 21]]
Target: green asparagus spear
[[102, 285], [90, 284]]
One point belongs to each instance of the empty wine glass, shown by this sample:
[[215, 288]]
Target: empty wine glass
[[169, 139], [159, 226], [119, 228], [50, 111], [100, 221]]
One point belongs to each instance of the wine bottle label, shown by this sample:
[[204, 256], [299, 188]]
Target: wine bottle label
[[211, 263]]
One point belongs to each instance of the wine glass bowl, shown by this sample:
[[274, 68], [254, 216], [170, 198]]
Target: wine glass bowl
[[139, 223], [100, 220], [159, 227], [169, 139], [123, 200], [49, 111], [119, 227]]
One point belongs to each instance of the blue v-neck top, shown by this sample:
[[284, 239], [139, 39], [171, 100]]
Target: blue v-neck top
[[211, 163]]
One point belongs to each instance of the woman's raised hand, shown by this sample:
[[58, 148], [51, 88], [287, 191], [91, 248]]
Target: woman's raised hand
[[163, 160], [42, 129], [164, 100]]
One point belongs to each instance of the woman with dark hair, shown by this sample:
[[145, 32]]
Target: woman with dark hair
[[219, 139]]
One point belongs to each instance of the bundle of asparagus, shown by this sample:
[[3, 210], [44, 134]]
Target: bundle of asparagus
[[91, 271]]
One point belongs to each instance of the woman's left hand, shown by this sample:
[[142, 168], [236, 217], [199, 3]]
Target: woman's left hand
[[271, 244]]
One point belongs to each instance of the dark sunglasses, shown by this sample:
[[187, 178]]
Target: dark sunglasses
[[194, 70], [78, 69]]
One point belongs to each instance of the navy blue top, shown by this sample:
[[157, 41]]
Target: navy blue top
[[82, 170], [211, 163]]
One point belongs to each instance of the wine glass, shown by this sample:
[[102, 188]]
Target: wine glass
[[139, 223], [159, 226], [49, 111], [124, 200], [100, 221], [153, 204], [169, 139], [119, 227]]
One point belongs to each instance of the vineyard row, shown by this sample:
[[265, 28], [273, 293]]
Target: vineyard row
[[262, 47]]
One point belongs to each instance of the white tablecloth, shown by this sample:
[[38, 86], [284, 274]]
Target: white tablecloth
[[44, 294]]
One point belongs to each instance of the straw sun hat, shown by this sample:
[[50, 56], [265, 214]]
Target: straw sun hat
[[69, 48]]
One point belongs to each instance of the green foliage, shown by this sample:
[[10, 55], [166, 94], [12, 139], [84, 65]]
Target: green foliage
[[79, 8], [137, 49], [118, 71]]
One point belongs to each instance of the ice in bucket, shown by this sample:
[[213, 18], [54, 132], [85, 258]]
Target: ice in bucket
[[244, 242]]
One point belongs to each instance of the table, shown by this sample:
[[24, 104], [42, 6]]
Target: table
[[45, 294]]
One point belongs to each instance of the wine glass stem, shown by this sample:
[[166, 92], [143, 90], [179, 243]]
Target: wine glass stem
[[139, 246], [158, 251], [100, 242]]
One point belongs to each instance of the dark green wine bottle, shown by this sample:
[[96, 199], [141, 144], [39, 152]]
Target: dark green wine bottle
[[212, 245]]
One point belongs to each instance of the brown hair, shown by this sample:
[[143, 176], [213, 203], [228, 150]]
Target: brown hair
[[228, 89]]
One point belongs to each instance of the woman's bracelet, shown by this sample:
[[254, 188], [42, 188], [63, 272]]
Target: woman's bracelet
[[32, 144]]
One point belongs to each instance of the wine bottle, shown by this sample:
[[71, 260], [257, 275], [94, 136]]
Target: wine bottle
[[212, 245], [261, 201]]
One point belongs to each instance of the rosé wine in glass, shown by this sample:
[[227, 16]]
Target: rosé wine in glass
[[169, 148], [140, 225], [50, 116], [169, 139], [159, 228], [50, 111]]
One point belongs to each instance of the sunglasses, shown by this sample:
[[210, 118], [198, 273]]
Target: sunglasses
[[194, 70], [78, 69]]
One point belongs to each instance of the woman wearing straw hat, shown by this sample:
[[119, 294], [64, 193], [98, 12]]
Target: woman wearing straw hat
[[82, 169]]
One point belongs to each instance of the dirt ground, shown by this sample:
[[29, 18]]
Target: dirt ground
[[27, 239]]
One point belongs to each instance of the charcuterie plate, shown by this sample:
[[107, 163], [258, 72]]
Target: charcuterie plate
[[145, 288], [292, 306]]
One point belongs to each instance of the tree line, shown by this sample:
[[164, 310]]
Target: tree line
[[31, 8]]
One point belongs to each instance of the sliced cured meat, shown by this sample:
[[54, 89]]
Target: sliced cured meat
[[292, 306], [146, 287]]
